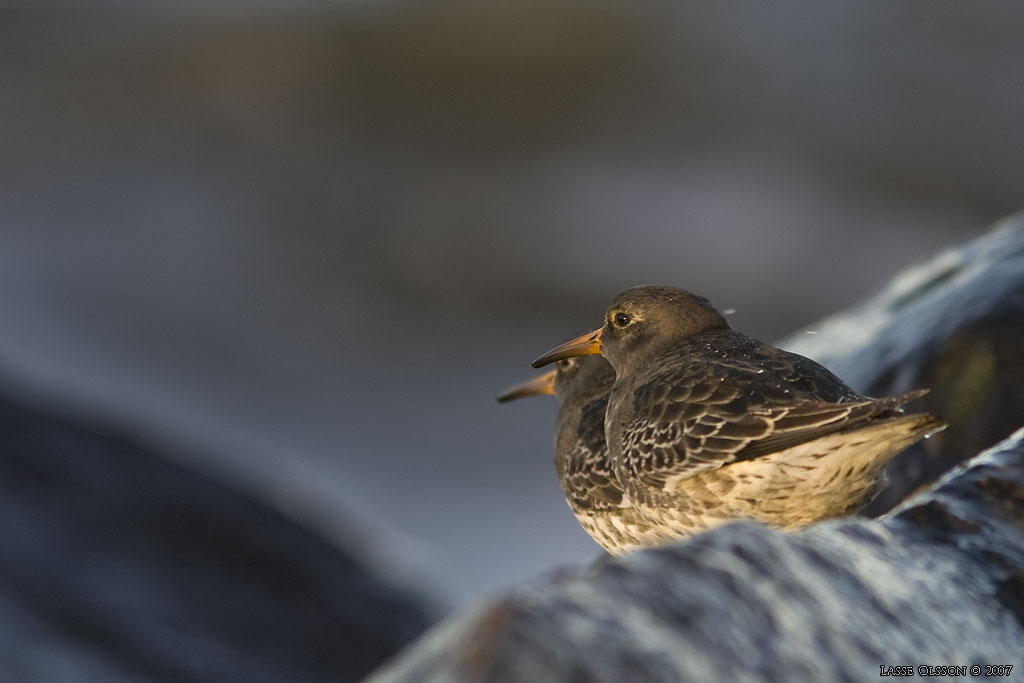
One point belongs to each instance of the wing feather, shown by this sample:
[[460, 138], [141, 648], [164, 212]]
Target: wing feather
[[586, 474], [701, 418]]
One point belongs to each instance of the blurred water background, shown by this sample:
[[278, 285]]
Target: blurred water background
[[301, 245]]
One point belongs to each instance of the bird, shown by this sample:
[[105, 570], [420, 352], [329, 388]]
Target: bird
[[582, 385], [706, 425]]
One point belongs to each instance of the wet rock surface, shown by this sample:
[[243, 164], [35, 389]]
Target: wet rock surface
[[955, 325], [118, 565], [937, 582]]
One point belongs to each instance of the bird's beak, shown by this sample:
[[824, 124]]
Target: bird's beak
[[543, 384], [585, 345]]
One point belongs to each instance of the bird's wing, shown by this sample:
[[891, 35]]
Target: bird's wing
[[589, 482], [704, 422], [587, 476]]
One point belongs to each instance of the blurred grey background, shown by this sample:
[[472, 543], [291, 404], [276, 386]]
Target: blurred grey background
[[302, 244]]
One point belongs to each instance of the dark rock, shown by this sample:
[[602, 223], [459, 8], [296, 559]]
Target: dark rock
[[1011, 594], [954, 325], [119, 565], [935, 582]]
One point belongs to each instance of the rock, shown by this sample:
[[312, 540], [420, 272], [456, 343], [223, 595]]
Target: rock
[[954, 325], [937, 582], [118, 565]]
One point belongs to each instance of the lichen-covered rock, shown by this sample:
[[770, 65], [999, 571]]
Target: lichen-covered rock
[[955, 325], [936, 582], [117, 565]]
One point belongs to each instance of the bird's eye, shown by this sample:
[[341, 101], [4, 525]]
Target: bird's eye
[[622, 319], [565, 363]]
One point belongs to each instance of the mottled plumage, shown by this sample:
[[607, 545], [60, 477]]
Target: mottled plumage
[[705, 424], [590, 484], [581, 451]]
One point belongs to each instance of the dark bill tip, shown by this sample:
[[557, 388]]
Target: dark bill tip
[[585, 345]]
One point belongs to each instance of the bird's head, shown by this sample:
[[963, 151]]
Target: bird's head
[[640, 321], [575, 378]]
